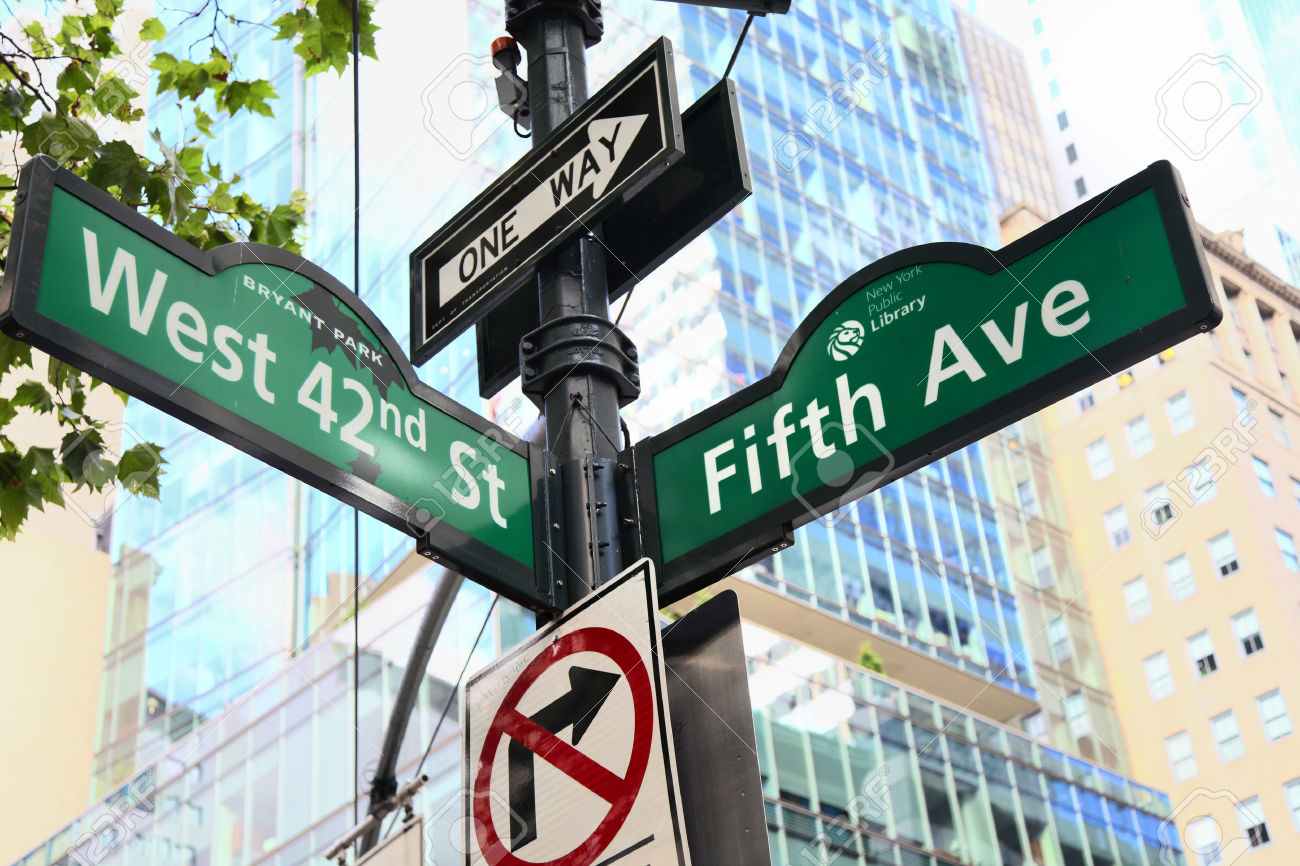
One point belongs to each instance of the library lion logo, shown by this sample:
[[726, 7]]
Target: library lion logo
[[846, 339]]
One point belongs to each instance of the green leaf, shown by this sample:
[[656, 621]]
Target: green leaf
[[32, 393], [119, 168], [139, 469], [13, 509], [13, 354], [7, 412], [253, 95], [152, 30], [77, 453], [112, 98], [202, 121]]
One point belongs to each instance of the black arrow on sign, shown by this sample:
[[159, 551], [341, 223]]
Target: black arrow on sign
[[587, 693]]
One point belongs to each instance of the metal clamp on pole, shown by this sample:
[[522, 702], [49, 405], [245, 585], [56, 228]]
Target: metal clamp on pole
[[519, 15], [401, 800], [578, 345]]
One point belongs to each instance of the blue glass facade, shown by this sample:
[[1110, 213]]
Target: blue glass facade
[[862, 139]]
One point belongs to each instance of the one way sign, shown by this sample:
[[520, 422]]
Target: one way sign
[[619, 140], [569, 751]]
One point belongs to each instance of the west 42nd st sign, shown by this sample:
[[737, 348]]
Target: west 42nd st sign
[[268, 352], [916, 356]]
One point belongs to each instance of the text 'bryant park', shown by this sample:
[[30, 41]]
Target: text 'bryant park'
[[649, 433]]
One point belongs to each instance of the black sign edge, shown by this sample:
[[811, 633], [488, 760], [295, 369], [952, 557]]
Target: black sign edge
[[18, 315], [725, 89], [660, 52], [744, 544], [635, 570]]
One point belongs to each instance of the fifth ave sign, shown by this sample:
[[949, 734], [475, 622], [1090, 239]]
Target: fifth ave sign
[[620, 139]]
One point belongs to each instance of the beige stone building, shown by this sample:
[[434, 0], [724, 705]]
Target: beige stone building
[[1181, 484]]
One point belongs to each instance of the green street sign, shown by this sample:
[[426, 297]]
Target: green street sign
[[269, 353], [914, 357]]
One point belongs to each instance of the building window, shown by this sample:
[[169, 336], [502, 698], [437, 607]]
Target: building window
[[1062, 121], [1286, 544], [1286, 383], [1239, 400], [1292, 791], [1264, 476], [1245, 626], [1026, 496], [1250, 361], [1117, 528], [1279, 427], [1080, 188], [1181, 416], [1038, 26], [1181, 582], [1203, 835], [1295, 491], [1159, 508], [1054, 90], [1160, 679], [1228, 736], [1076, 715], [1040, 561], [1201, 650], [1233, 293], [1272, 712], [1046, 56], [1058, 635], [1224, 554], [1099, 460], [1035, 725], [1137, 599], [1181, 760], [1251, 816], [1139, 436], [1071, 154], [1084, 400]]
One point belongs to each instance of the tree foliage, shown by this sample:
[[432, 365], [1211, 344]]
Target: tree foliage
[[869, 659], [68, 89]]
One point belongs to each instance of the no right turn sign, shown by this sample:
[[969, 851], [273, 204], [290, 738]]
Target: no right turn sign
[[569, 754]]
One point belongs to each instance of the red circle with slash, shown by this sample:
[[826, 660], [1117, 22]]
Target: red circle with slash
[[619, 792]]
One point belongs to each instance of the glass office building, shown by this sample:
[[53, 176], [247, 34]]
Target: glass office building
[[226, 729], [857, 769]]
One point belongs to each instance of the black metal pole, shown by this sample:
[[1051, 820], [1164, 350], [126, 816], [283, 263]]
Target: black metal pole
[[568, 362], [384, 784]]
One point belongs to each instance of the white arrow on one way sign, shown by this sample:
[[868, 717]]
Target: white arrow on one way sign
[[594, 167]]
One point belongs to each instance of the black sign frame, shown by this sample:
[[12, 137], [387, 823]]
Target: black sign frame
[[761, 537], [511, 270]]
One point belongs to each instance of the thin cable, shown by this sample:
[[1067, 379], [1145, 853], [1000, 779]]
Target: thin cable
[[739, 42], [356, 513], [623, 309]]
